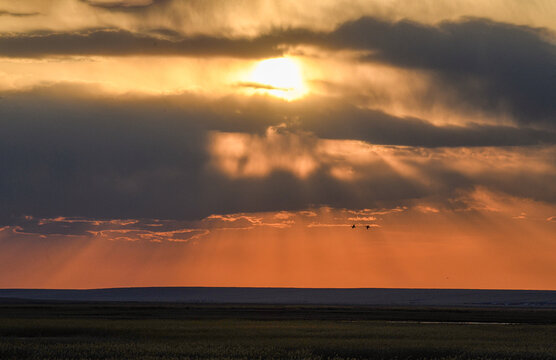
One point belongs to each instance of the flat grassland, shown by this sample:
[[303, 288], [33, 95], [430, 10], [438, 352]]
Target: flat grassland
[[173, 331]]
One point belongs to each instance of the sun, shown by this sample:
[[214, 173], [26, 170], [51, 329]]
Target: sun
[[279, 77]]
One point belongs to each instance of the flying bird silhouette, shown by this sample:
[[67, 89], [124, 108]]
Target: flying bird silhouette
[[353, 226]]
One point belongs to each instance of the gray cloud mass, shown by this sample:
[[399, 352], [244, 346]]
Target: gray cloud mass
[[515, 65], [65, 153], [111, 42], [494, 67]]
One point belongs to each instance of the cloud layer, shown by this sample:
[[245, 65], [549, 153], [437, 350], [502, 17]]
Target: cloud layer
[[187, 158], [494, 67]]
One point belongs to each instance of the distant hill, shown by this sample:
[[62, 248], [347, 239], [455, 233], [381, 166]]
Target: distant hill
[[298, 296]]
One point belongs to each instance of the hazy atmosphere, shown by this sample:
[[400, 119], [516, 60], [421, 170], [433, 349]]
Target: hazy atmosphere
[[236, 143]]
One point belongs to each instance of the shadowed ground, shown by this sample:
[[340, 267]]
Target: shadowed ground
[[177, 331]]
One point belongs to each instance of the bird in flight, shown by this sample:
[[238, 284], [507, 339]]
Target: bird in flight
[[353, 226]]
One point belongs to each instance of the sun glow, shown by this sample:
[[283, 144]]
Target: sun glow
[[280, 77]]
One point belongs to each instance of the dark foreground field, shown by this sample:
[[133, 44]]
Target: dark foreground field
[[155, 331]]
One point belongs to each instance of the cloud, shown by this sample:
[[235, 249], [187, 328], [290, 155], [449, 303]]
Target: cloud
[[153, 230], [378, 127], [67, 152], [122, 4], [231, 221], [17, 14], [409, 169], [78, 226], [246, 155], [255, 85], [494, 66], [113, 42]]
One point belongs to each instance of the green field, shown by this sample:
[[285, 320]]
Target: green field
[[135, 331]]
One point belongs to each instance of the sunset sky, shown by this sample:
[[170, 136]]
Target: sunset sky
[[235, 142]]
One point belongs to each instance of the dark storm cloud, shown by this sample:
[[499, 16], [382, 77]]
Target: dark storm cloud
[[349, 122], [494, 66], [65, 152], [99, 158]]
